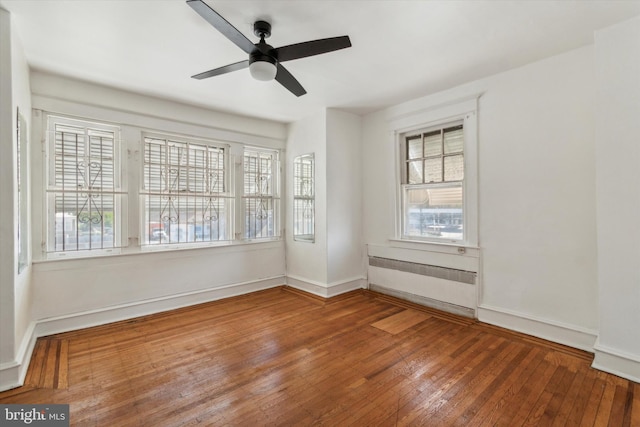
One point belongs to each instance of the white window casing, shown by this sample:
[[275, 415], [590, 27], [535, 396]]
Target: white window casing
[[185, 191], [261, 194], [83, 187], [304, 198], [103, 194], [441, 186]]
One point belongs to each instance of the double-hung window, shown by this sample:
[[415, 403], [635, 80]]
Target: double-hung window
[[433, 183], [83, 186], [304, 198], [185, 192], [261, 198]]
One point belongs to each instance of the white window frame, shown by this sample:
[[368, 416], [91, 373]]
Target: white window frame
[[227, 194], [273, 197], [129, 157], [119, 192], [435, 185], [304, 192], [462, 110]]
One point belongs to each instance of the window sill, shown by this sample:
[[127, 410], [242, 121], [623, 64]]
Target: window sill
[[170, 250], [461, 248]]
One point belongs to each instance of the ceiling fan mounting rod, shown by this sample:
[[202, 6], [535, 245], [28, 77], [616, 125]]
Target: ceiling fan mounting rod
[[262, 29]]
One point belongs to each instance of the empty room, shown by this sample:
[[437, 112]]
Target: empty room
[[319, 212]]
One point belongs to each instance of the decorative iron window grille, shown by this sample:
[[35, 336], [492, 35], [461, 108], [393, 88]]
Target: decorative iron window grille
[[83, 194], [185, 192], [261, 199], [304, 198]]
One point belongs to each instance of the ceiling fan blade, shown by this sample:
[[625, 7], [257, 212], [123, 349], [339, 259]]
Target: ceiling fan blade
[[285, 78], [221, 24], [222, 70], [315, 47]]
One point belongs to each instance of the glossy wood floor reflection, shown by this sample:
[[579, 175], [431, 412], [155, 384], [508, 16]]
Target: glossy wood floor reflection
[[281, 357]]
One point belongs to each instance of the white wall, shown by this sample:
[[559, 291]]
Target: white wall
[[536, 194], [7, 210], [344, 198], [307, 261], [617, 54], [15, 289], [139, 282], [22, 99], [536, 203], [333, 264]]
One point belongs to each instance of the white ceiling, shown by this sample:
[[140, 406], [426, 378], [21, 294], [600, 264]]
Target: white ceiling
[[401, 49]]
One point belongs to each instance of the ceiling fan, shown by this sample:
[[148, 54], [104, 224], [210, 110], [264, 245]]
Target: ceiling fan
[[264, 61]]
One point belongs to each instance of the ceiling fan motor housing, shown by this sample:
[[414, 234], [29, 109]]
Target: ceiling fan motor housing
[[263, 52]]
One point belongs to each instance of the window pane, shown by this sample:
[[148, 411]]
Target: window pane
[[414, 147], [303, 197], [185, 219], [260, 194], [260, 218], [83, 202], [454, 168], [303, 219], [183, 186], [433, 170], [434, 212], [432, 144], [414, 170], [83, 221], [258, 172], [453, 140]]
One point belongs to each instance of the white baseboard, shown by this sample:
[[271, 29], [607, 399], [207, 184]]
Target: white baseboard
[[616, 362], [326, 290], [12, 374], [571, 335]]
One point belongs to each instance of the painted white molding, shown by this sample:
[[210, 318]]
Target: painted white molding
[[13, 374], [616, 362], [562, 333], [326, 290], [117, 313]]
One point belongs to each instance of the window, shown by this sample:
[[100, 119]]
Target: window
[[185, 192], [304, 198], [168, 191], [83, 192], [261, 197], [432, 183]]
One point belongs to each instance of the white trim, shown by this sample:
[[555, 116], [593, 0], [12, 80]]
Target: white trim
[[465, 110], [326, 290], [145, 121], [12, 374], [616, 362], [441, 256], [131, 310], [559, 332]]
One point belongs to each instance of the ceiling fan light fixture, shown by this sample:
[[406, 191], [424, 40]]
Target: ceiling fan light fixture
[[263, 70]]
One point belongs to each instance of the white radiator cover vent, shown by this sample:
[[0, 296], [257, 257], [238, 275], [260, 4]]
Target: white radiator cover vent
[[462, 276]]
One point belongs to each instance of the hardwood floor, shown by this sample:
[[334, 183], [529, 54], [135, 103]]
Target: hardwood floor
[[282, 357]]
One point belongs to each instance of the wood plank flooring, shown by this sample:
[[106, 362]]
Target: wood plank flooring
[[282, 357]]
